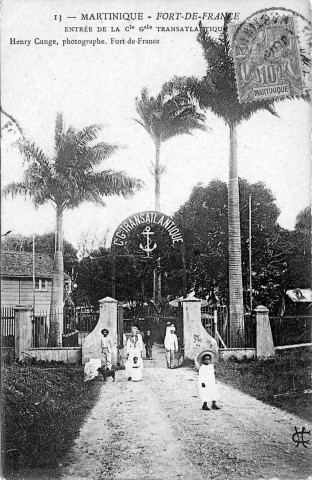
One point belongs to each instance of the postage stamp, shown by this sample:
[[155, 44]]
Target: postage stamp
[[266, 54]]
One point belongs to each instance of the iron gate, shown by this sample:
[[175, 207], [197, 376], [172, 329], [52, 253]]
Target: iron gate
[[7, 333], [155, 319], [120, 336]]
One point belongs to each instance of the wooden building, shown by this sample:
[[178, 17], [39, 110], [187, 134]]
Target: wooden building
[[17, 280]]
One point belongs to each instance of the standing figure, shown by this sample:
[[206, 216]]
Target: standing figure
[[106, 348], [139, 335], [148, 341], [169, 326], [171, 346], [134, 349], [208, 389], [136, 369]]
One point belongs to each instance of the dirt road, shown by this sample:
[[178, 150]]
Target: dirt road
[[156, 430]]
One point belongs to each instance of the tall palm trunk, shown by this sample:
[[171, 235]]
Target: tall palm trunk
[[157, 178], [235, 261], [57, 295], [157, 274]]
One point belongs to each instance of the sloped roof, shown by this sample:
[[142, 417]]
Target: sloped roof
[[20, 264], [190, 296], [300, 294]]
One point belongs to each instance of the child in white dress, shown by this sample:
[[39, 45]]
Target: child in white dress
[[208, 389], [136, 370]]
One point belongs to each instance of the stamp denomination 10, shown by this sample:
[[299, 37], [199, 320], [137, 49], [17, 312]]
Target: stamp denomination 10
[[267, 60]]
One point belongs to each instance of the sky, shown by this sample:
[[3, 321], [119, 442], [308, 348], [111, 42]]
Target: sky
[[99, 84]]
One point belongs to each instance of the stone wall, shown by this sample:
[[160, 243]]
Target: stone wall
[[67, 355], [238, 353]]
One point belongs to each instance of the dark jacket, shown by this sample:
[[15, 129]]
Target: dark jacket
[[148, 340]]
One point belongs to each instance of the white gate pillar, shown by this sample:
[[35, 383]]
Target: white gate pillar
[[196, 339], [23, 329], [91, 347], [264, 344]]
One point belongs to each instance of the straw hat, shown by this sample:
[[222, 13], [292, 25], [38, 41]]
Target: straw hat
[[207, 352]]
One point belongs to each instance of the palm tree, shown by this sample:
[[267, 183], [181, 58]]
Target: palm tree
[[66, 180], [217, 92], [165, 116]]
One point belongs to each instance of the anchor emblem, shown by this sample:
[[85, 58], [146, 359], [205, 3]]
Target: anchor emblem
[[148, 249]]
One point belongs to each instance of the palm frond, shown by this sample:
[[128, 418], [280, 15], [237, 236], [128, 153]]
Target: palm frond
[[33, 154], [27, 190], [88, 134], [144, 94], [15, 189], [59, 127], [109, 182], [146, 126], [139, 122], [96, 185], [87, 158], [13, 120], [86, 192], [102, 151], [271, 109]]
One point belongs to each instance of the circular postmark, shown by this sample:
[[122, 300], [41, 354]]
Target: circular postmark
[[271, 54]]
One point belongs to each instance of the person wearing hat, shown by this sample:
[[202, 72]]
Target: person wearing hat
[[208, 389], [136, 331], [106, 348], [169, 326], [171, 346]]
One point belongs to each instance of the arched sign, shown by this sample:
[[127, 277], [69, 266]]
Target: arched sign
[[150, 219], [148, 223]]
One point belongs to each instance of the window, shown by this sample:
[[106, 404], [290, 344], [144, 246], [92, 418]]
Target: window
[[41, 284]]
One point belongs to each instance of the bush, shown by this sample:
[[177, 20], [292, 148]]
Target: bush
[[279, 380], [42, 412]]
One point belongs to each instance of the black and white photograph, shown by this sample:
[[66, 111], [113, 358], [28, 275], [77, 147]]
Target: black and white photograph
[[156, 295]]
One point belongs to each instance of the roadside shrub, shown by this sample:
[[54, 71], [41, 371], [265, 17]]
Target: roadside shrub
[[43, 409]]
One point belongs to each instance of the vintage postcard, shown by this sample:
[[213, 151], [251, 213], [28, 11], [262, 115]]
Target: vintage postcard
[[156, 297]]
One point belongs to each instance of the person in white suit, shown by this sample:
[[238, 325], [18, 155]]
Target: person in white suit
[[171, 346], [106, 348]]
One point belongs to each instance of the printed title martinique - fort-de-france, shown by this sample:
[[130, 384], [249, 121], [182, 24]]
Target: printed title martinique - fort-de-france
[[131, 16]]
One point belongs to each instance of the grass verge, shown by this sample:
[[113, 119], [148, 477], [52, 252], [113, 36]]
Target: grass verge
[[42, 412], [280, 380]]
